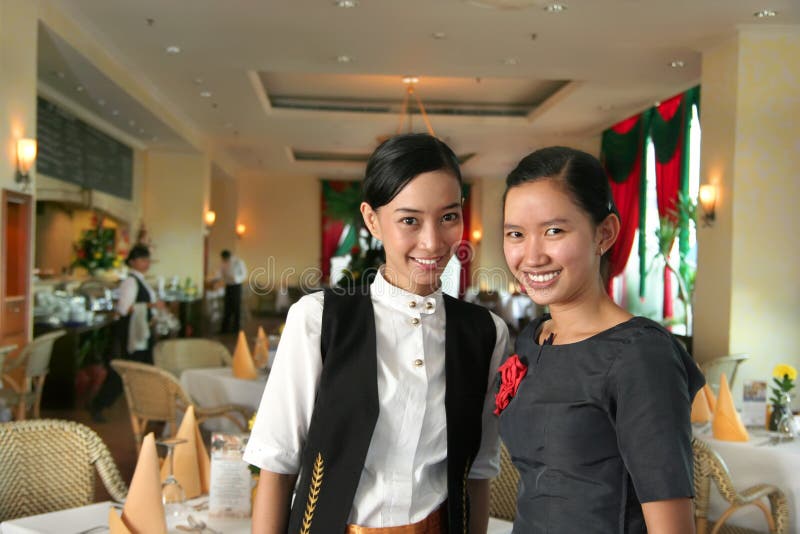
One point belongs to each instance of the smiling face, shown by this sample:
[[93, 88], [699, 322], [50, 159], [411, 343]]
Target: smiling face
[[420, 229], [551, 245]]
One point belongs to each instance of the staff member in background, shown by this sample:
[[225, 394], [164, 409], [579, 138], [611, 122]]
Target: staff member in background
[[233, 273], [135, 304]]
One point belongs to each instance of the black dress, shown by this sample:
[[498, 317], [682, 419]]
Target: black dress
[[598, 427]]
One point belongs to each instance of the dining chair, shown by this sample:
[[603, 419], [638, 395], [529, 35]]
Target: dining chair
[[503, 488], [25, 375], [708, 466], [154, 394], [49, 464], [177, 355]]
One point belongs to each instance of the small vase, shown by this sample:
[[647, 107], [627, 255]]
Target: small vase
[[781, 413]]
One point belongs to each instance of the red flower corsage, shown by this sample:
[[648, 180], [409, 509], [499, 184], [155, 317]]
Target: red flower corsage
[[511, 374]]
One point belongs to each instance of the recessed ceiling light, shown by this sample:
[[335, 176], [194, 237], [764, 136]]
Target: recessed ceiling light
[[555, 7], [439, 35], [511, 61], [79, 88], [141, 130], [173, 49], [131, 122], [677, 64], [60, 74], [101, 102], [155, 138], [410, 79], [344, 59], [346, 4], [228, 125], [115, 112], [205, 94], [765, 13]]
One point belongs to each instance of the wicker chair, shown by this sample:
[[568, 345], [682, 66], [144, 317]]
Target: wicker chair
[[153, 394], [709, 466], [48, 465], [503, 488], [25, 388], [176, 355]]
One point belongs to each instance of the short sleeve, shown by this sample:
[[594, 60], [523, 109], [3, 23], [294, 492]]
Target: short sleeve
[[650, 396], [284, 414], [487, 460]]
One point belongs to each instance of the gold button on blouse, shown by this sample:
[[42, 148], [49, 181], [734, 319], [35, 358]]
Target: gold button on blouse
[[414, 321], [418, 363], [429, 305], [412, 304]]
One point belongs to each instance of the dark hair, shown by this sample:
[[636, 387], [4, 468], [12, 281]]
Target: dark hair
[[582, 176], [136, 252], [226, 254], [400, 159]]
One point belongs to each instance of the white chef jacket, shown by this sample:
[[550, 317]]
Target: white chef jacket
[[405, 472]]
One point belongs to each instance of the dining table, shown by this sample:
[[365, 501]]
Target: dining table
[[764, 459], [93, 519], [217, 386]]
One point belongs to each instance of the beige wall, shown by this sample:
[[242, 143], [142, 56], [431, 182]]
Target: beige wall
[[175, 199], [751, 257], [224, 202], [282, 214]]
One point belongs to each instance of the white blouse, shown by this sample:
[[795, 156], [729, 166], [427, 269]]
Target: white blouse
[[405, 472]]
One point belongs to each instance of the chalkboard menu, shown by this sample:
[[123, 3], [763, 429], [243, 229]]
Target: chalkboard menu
[[75, 152]]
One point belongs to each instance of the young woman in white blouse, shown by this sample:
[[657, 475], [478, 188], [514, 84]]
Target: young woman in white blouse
[[378, 409]]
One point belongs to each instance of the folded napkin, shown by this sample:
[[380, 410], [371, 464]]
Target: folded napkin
[[727, 425], [261, 350], [143, 512], [243, 366], [701, 411], [710, 397], [191, 465]]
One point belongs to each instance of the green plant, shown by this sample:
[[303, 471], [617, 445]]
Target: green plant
[[96, 248]]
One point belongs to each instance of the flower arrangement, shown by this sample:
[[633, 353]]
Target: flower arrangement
[[96, 248], [783, 377]]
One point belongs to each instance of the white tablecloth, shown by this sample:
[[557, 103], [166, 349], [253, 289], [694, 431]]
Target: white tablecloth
[[752, 463], [215, 386], [78, 519]]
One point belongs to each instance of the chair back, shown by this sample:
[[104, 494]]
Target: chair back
[[38, 353], [177, 355], [48, 465], [503, 488]]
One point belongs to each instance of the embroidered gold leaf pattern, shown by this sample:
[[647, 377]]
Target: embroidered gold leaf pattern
[[313, 493]]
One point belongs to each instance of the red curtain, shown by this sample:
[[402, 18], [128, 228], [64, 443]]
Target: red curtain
[[668, 183], [626, 198]]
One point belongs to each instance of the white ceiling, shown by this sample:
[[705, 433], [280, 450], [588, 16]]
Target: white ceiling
[[571, 73]]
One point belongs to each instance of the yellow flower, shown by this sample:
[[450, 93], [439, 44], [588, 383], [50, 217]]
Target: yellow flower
[[251, 422], [280, 330], [782, 370], [98, 255]]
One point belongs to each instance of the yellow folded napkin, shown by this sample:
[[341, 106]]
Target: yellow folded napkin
[[261, 350], [143, 512], [243, 366], [701, 413], [727, 425], [191, 465], [115, 524], [710, 397]]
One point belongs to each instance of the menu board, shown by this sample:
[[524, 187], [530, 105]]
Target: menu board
[[75, 152]]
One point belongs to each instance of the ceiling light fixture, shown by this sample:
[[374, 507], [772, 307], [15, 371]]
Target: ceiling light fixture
[[406, 113], [101, 102], [555, 7], [79, 88], [344, 58], [173, 49], [677, 64], [115, 112], [205, 94], [131, 123], [765, 13], [511, 61], [346, 4], [439, 35]]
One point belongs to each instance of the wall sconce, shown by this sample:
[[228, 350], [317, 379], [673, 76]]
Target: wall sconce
[[210, 218], [707, 198], [26, 155], [240, 230], [477, 235]]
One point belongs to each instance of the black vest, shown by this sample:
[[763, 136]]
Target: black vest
[[346, 410]]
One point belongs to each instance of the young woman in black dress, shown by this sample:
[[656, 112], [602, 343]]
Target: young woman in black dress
[[594, 405]]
